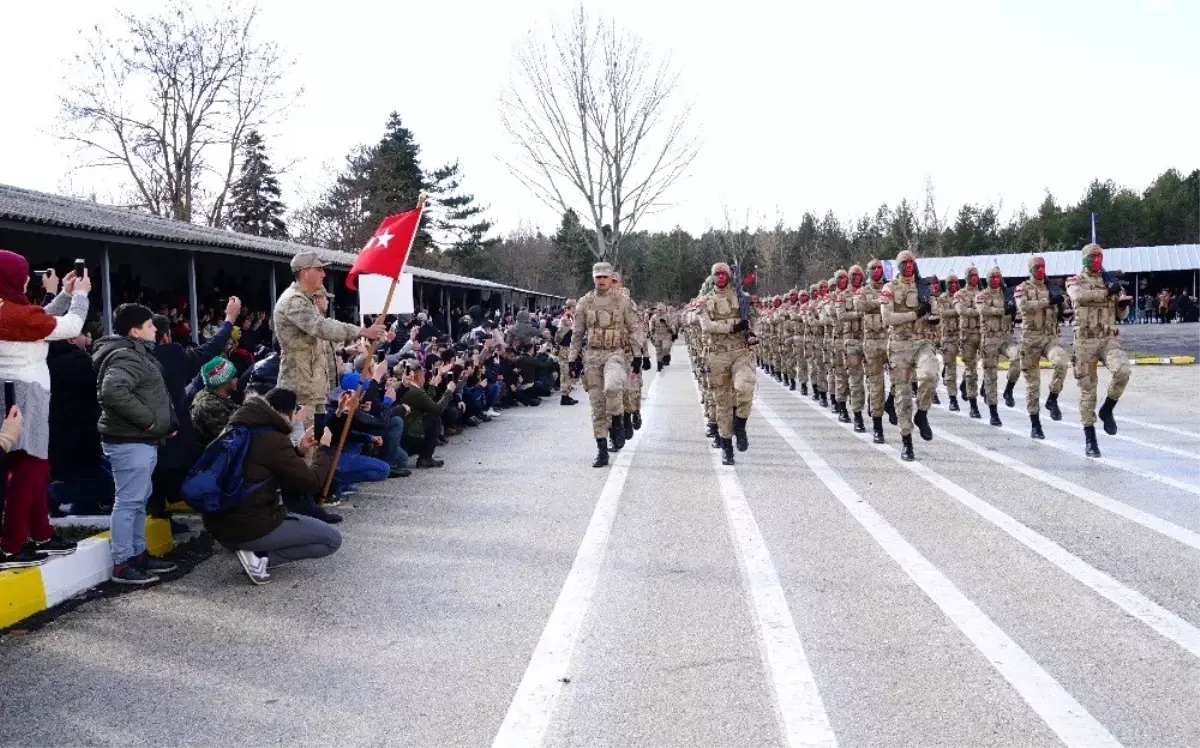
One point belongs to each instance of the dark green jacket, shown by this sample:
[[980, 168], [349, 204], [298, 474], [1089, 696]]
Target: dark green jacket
[[420, 405], [134, 403]]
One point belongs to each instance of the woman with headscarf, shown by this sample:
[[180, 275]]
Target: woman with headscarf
[[26, 537]]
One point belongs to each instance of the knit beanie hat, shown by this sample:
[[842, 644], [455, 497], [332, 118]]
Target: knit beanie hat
[[218, 372]]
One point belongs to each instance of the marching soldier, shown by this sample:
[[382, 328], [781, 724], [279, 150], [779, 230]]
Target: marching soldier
[[730, 361], [909, 351], [662, 332], [1099, 302], [1039, 337], [995, 319], [799, 338], [951, 344], [850, 320], [828, 325], [969, 339], [631, 419], [609, 322], [837, 302], [562, 340], [875, 354]]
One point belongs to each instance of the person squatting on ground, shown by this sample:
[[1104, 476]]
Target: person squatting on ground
[[732, 375], [1038, 307]]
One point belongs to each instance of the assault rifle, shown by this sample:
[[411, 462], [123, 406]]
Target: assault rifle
[[1057, 297], [743, 302], [925, 296]]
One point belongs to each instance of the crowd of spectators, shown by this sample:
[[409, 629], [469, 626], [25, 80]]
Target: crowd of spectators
[[133, 413], [1167, 306]]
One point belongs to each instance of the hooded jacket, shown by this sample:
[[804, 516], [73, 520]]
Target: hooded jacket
[[135, 406]]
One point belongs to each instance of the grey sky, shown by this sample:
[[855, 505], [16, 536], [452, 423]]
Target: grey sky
[[801, 105]]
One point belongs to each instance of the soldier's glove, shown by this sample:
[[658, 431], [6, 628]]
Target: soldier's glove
[[645, 363], [1114, 288], [923, 309], [637, 364], [741, 325], [1010, 309], [575, 368]]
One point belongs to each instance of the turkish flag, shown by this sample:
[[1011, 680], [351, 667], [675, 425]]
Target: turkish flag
[[387, 250]]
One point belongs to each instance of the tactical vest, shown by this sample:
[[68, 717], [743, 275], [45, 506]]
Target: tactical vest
[[605, 323], [866, 301], [993, 326], [1039, 321], [723, 307], [903, 295], [968, 318], [948, 315], [1096, 319]]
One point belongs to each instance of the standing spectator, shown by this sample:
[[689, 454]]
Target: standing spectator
[[1164, 306], [25, 332], [300, 327], [80, 474], [136, 418]]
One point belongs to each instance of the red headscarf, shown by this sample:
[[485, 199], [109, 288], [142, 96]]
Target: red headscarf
[[19, 320]]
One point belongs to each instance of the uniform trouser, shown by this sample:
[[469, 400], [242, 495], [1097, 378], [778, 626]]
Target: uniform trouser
[[841, 383], [912, 360], [710, 403], [854, 373], [970, 356], [950, 352], [1088, 353], [565, 382], [816, 363], [633, 393], [1033, 347], [662, 347], [993, 349], [830, 366], [800, 356], [875, 356], [605, 374], [733, 380]]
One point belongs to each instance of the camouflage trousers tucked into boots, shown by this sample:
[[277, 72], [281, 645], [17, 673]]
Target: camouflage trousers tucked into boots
[[912, 360], [605, 374]]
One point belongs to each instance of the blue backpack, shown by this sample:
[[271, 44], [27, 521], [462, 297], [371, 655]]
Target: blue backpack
[[215, 483]]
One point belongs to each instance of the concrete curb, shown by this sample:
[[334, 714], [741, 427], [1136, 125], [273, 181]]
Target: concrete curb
[[1135, 361], [25, 592]]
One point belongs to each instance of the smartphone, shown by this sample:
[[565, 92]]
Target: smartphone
[[80, 267], [10, 396]]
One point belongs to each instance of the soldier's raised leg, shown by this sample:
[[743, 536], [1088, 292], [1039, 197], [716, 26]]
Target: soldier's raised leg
[[1117, 363], [875, 352], [855, 374], [745, 380], [991, 362], [615, 375], [926, 372]]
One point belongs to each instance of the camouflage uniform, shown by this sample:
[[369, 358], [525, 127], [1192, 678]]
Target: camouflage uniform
[[968, 338], [996, 324], [909, 352], [662, 332], [562, 352], [816, 342], [951, 344], [850, 320], [1039, 337], [210, 415], [730, 361], [800, 340], [875, 351]]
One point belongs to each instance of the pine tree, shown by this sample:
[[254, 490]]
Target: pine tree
[[395, 181], [256, 206], [459, 220]]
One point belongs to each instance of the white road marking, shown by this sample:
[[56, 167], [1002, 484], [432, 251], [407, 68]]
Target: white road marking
[[1069, 720], [1121, 417], [798, 704], [533, 706], [1158, 618]]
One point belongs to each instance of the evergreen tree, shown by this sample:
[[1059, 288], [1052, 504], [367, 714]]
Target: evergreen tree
[[459, 221], [256, 204], [395, 181]]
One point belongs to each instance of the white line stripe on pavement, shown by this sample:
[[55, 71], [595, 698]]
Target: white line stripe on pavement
[[533, 706], [1144, 424], [1069, 720], [1158, 618], [798, 704]]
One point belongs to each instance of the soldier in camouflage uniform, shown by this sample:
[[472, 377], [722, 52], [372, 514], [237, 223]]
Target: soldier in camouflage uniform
[[944, 306], [818, 372], [608, 321], [837, 347], [867, 303], [1099, 302], [909, 351], [730, 361], [969, 339], [662, 332], [562, 342], [995, 319], [632, 418], [800, 340], [788, 338], [214, 404], [1039, 337], [850, 320]]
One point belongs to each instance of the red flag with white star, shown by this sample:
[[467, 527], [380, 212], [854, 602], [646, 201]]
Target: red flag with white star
[[387, 250]]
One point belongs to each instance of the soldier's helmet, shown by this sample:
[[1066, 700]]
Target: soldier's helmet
[[570, 304], [602, 270], [856, 268], [874, 263], [837, 277], [721, 267], [951, 278], [803, 296], [822, 284], [812, 289], [904, 256], [970, 269], [616, 277], [995, 271], [793, 295], [1092, 249], [1035, 261]]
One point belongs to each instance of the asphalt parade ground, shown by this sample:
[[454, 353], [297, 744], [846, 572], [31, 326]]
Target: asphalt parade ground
[[997, 592]]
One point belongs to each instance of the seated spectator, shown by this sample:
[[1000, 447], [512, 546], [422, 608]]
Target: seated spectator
[[214, 405], [424, 417], [260, 530]]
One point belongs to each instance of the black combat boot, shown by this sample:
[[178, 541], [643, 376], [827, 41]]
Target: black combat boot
[[995, 416], [1009, 400], [778, 375], [906, 451], [792, 383], [914, 388], [567, 400], [1035, 427], [660, 364], [816, 394], [716, 442], [823, 398], [1105, 414], [953, 404], [667, 360], [973, 402], [962, 388], [627, 425], [710, 430], [616, 432], [877, 429], [739, 433], [937, 400], [637, 420], [1052, 407], [804, 388], [1091, 448], [727, 451], [921, 421], [859, 427], [889, 407], [601, 453], [843, 415]]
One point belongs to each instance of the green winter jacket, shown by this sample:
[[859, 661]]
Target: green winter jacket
[[134, 403]]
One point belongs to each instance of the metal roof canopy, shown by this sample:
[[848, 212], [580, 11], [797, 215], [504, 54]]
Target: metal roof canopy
[[31, 209], [1129, 259]]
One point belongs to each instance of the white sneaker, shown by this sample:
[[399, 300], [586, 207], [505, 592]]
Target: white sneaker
[[493, 413], [256, 568]]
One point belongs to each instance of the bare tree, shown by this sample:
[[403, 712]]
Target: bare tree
[[169, 102], [590, 113]]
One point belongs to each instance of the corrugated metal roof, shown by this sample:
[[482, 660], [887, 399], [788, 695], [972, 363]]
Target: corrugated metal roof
[[1128, 259], [44, 209]]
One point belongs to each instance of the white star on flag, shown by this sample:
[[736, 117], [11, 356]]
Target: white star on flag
[[383, 238]]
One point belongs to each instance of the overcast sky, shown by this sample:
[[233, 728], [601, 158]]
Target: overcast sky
[[801, 105]]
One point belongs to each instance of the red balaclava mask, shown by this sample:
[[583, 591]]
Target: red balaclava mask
[[973, 280], [722, 280], [778, 303], [1039, 272], [843, 281], [994, 281], [953, 285], [910, 268], [1096, 262], [877, 273]]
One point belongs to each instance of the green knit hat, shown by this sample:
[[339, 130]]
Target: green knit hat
[[218, 372]]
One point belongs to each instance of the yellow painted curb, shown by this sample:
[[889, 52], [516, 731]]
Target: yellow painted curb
[[21, 595]]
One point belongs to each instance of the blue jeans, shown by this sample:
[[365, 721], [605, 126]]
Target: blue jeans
[[493, 395], [133, 466], [392, 453], [355, 467]]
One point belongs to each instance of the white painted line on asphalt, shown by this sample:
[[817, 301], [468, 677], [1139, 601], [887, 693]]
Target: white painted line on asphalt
[[798, 704], [1120, 416], [1069, 720], [1158, 618], [533, 706]]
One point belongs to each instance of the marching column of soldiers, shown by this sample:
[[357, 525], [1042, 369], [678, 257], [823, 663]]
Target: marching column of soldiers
[[838, 340]]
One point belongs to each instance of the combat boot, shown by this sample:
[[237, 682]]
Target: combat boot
[[816, 394], [962, 388], [660, 364], [1035, 427], [1052, 407], [567, 400], [727, 451], [778, 375], [906, 450], [921, 421], [739, 433], [823, 398], [953, 408], [936, 400], [667, 360], [601, 453], [877, 429], [843, 415], [859, 427], [627, 425], [792, 384], [804, 388], [889, 407], [1105, 414], [637, 420], [995, 416], [973, 402], [1009, 400], [913, 385], [616, 432], [1091, 448], [716, 442], [710, 430]]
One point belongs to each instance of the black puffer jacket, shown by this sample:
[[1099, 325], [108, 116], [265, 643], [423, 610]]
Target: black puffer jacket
[[134, 402], [74, 441]]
